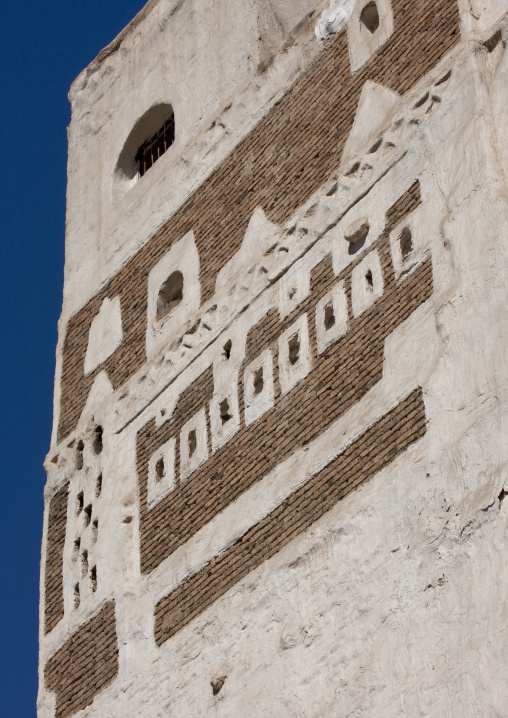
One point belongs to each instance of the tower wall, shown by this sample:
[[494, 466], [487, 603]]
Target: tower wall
[[279, 486]]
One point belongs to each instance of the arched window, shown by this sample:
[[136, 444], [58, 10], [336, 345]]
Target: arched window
[[155, 146], [170, 294], [152, 135]]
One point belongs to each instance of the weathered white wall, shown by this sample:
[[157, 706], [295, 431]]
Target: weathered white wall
[[393, 604]]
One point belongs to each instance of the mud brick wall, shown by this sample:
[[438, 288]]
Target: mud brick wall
[[375, 449], [53, 582], [289, 154], [85, 665], [339, 379]]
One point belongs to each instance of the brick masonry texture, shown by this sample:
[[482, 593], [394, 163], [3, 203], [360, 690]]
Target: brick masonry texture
[[53, 582], [286, 158], [375, 449], [339, 379], [85, 665]]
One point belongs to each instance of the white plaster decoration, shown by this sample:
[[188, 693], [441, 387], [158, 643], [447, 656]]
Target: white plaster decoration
[[224, 415], [105, 334], [376, 105], [258, 387], [249, 264], [294, 287], [331, 317], [366, 283], [294, 354], [334, 18], [183, 257], [161, 472], [100, 390], [193, 444], [363, 43]]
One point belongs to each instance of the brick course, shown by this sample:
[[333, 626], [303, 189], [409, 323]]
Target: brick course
[[85, 665], [287, 156], [53, 581], [374, 450], [339, 378]]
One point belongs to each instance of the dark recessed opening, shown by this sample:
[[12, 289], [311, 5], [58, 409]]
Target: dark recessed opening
[[406, 242], [80, 502], [170, 294], [98, 486], [225, 412], [258, 381], [153, 148], [370, 17], [160, 469], [370, 280], [88, 514], [294, 348], [76, 596], [95, 529], [329, 316], [97, 442], [84, 563], [217, 683], [226, 352], [77, 546], [93, 578], [79, 454], [192, 442]]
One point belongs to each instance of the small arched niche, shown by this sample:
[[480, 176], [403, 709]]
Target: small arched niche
[[170, 295], [149, 139]]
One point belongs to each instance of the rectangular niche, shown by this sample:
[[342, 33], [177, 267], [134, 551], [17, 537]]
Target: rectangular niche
[[366, 283], [258, 387], [224, 416], [161, 472], [331, 317], [193, 444], [294, 354]]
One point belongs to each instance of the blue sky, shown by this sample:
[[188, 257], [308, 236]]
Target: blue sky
[[43, 47]]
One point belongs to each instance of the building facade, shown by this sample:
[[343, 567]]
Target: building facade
[[278, 465]]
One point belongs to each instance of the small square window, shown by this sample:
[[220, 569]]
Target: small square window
[[161, 472], [258, 387], [294, 354], [193, 444], [331, 317]]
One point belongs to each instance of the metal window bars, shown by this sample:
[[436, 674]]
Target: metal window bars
[[153, 148]]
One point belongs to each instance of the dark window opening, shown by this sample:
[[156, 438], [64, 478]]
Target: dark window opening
[[370, 17], [77, 546], [93, 578], [151, 150], [170, 294], [225, 413], [227, 350], [95, 530], [84, 564], [98, 486], [80, 502], [329, 316], [160, 469], [370, 281], [76, 596], [294, 349], [88, 515], [97, 442], [192, 442], [79, 455], [406, 242], [259, 381]]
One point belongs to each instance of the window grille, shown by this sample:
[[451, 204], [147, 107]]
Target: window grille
[[153, 148]]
